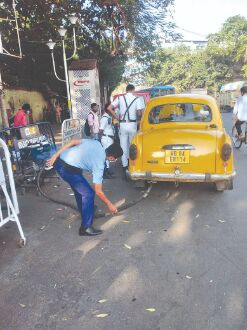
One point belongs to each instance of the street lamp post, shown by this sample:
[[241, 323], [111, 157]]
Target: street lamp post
[[62, 32]]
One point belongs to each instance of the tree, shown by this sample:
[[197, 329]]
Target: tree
[[220, 62], [110, 31]]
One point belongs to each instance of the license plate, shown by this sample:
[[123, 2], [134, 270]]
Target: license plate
[[177, 156]]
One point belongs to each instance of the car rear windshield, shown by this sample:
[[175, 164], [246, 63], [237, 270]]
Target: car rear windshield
[[180, 112]]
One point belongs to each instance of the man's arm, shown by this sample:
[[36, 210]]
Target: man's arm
[[70, 144], [99, 192]]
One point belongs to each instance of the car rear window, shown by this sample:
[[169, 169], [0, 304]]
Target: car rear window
[[180, 112]]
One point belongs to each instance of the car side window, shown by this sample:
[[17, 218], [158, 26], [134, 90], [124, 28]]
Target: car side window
[[180, 112]]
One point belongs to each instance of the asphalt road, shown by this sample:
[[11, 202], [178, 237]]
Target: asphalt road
[[177, 260]]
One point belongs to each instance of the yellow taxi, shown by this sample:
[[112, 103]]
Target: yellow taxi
[[182, 139]]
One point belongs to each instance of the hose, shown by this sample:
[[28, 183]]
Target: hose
[[97, 215]]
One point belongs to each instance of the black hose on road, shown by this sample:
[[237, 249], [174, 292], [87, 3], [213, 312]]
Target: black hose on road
[[97, 215]]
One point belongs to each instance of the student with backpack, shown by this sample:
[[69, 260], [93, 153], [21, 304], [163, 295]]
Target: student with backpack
[[129, 111], [91, 128]]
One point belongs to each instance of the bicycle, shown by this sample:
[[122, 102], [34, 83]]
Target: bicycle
[[237, 142]]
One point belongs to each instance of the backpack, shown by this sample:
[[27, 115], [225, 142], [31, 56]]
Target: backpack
[[87, 130]]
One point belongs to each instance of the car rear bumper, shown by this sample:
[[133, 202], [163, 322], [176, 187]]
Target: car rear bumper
[[180, 177]]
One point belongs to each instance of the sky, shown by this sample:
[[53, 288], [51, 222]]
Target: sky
[[205, 16]]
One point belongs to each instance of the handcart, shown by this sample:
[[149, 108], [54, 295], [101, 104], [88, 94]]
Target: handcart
[[29, 146]]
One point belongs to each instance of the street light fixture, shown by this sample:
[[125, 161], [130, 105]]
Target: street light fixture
[[73, 19], [62, 32], [51, 44]]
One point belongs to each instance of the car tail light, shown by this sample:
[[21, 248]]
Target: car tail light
[[226, 152], [133, 152]]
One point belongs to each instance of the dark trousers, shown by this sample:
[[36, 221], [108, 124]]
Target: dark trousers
[[84, 194], [238, 126]]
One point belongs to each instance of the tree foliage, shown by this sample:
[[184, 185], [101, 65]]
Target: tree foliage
[[220, 62], [109, 31]]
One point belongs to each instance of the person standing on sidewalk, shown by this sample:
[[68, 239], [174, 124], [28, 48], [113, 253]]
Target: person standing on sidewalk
[[129, 111], [106, 135], [58, 111], [70, 162], [20, 118], [240, 111], [93, 121]]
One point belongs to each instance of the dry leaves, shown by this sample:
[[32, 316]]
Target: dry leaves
[[102, 301], [101, 315], [128, 246], [151, 310]]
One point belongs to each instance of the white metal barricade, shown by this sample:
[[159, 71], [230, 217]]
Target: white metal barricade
[[71, 129], [10, 197]]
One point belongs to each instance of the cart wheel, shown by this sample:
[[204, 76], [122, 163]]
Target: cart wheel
[[22, 242]]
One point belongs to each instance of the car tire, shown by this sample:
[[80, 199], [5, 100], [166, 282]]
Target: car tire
[[224, 185]]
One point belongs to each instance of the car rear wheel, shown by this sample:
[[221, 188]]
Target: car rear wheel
[[224, 185], [237, 142]]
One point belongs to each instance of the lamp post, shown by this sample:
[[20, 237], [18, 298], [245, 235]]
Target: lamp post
[[51, 44]]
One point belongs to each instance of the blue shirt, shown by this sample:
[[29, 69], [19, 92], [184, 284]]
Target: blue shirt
[[89, 155]]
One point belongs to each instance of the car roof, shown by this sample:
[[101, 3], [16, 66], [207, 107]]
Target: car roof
[[187, 97]]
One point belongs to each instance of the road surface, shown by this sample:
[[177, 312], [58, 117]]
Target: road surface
[[176, 261]]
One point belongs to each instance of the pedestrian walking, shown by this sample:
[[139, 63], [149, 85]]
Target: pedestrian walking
[[93, 121], [240, 111], [70, 162], [129, 112], [106, 135]]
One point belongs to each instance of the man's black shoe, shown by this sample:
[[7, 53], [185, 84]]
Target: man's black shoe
[[90, 231]]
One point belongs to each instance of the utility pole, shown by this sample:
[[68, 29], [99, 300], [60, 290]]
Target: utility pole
[[3, 112]]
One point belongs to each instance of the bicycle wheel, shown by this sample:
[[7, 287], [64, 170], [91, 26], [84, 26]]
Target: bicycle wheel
[[237, 142]]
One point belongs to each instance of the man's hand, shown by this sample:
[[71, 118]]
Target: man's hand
[[112, 208], [50, 162], [99, 192]]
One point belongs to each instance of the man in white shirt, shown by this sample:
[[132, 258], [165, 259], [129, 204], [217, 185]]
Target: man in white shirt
[[106, 135], [240, 110], [129, 110], [93, 121]]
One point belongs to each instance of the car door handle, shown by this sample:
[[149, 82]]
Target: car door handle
[[212, 126]]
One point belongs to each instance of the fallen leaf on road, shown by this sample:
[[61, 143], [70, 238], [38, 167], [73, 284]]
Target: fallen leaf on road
[[188, 277], [126, 221], [22, 305], [221, 221], [211, 281], [101, 315], [127, 246], [72, 194], [197, 216], [42, 228], [151, 310], [102, 301], [55, 286], [55, 186], [59, 209]]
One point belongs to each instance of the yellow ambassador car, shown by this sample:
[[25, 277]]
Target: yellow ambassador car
[[182, 139]]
